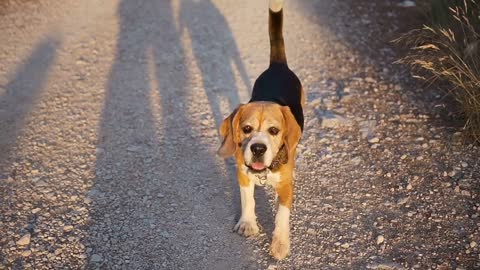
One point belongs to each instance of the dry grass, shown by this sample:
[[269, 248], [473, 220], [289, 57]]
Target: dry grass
[[451, 53]]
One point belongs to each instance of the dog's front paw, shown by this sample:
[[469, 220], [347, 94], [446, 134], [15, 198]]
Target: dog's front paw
[[280, 246], [246, 227]]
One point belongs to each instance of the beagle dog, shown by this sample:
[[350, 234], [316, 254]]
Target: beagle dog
[[263, 135]]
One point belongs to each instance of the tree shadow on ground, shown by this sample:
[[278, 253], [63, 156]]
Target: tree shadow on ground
[[22, 93], [20, 96], [158, 197]]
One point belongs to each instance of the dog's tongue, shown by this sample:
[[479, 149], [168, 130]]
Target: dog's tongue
[[258, 166]]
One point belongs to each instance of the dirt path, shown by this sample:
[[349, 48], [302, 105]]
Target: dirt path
[[108, 116]]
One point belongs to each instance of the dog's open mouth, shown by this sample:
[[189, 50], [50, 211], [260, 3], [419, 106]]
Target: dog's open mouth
[[257, 167]]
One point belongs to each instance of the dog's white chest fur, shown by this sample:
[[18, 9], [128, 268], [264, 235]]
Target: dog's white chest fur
[[261, 179]]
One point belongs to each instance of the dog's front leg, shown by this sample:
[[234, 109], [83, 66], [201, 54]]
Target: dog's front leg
[[281, 235], [247, 225]]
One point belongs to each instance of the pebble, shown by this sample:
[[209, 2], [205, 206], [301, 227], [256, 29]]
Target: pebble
[[25, 240], [374, 140], [356, 161], [473, 244], [380, 239], [67, 228], [346, 245], [26, 253], [407, 3], [96, 258], [316, 102], [272, 267], [402, 200], [333, 121], [370, 80], [409, 187]]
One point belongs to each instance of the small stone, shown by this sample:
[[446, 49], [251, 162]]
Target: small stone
[[356, 161], [457, 189], [403, 157], [466, 193], [346, 245], [464, 164], [67, 228], [25, 240], [380, 239], [36, 210], [311, 231], [407, 3], [370, 80], [409, 187], [316, 102], [473, 244], [26, 253], [402, 201], [333, 121], [374, 140], [96, 258]]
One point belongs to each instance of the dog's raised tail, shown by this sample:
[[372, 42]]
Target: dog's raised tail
[[275, 25]]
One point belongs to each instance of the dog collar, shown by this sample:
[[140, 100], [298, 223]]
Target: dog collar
[[280, 159]]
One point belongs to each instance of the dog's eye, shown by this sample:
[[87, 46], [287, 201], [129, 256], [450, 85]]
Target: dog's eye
[[273, 130], [247, 129]]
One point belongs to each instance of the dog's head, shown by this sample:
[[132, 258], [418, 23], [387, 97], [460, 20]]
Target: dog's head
[[259, 130]]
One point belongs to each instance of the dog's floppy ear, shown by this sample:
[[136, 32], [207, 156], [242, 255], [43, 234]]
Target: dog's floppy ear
[[228, 132], [293, 132]]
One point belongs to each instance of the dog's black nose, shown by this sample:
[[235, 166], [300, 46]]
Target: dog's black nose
[[258, 149]]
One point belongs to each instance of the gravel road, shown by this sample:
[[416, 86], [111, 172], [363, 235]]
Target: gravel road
[[108, 132]]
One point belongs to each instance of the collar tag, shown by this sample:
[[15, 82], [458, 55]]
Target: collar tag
[[262, 177]]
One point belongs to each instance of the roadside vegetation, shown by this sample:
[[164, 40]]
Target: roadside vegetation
[[447, 52]]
